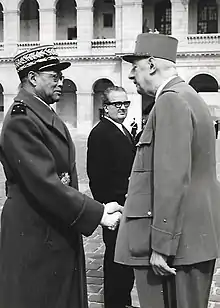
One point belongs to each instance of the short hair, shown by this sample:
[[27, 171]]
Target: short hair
[[105, 96]]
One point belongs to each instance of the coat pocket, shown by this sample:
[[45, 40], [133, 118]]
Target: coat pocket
[[143, 159], [139, 236], [139, 218]]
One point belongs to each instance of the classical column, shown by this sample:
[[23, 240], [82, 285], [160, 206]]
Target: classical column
[[84, 111], [84, 29], [180, 20], [132, 17], [11, 31], [118, 27], [47, 25]]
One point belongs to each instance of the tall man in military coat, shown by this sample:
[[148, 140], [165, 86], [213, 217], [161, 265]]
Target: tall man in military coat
[[110, 155], [169, 232], [44, 216]]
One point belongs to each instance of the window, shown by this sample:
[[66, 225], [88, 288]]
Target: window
[[107, 20], [163, 17], [207, 17], [72, 33]]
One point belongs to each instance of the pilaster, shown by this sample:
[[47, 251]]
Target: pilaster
[[11, 31], [84, 111], [118, 27], [180, 20], [47, 25], [218, 4], [132, 17], [84, 29]]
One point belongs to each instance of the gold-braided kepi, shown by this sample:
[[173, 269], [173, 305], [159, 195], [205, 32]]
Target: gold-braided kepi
[[153, 45], [41, 58]]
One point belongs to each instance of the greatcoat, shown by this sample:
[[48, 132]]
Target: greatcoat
[[41, 253], [173, 202]]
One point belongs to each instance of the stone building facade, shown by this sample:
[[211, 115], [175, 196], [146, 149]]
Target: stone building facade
[[92, 34]]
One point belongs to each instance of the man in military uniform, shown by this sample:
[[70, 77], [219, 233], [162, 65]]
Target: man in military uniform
[[41, 254], [169, 230]]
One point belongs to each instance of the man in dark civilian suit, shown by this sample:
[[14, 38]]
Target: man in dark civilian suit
[[110, 156], [169, 232]]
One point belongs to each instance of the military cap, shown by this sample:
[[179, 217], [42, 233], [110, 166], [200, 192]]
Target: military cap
[[153, 45], [40, 58]]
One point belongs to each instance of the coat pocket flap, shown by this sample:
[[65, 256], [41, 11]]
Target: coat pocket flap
[[146, 137], [139, 206]]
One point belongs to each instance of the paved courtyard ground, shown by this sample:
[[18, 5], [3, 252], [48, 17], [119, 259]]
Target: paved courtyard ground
[[94, 247]]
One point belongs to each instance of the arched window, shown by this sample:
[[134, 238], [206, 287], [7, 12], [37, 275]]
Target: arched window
[[66, 20], [163, 17], [29, 21], [104, 19], [207, 17]]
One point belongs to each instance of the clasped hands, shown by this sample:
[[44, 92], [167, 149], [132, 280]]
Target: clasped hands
[[112, 215]]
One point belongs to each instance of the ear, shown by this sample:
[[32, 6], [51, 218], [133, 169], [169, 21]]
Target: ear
[[32, 78], [152, 65]]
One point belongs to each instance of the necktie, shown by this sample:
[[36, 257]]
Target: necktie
[[127, 134]]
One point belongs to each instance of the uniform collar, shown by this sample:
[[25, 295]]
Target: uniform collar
[[42, 110]]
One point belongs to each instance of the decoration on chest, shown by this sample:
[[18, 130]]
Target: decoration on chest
[[65, 178]]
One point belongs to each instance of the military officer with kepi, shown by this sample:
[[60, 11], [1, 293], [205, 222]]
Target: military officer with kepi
[[44, 216]]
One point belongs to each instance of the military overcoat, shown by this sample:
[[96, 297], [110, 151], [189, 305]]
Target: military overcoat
[[173, 202], [44, 216]]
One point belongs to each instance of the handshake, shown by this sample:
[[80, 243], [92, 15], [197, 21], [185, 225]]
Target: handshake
[[112, 215]]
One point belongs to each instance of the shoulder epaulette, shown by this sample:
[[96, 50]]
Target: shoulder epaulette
[[19, 108]]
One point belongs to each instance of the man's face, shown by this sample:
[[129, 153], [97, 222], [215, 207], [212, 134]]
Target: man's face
[[140, 75], [49, 86], [117, 114]]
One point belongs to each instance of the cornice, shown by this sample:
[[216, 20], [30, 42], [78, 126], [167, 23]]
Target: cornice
[[74, 58], [205, 54]]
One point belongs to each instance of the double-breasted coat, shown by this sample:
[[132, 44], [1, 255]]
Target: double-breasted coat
[[173, 202], [41, 252]]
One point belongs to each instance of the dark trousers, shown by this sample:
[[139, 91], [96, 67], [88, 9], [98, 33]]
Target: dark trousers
[[188, 289], [118, 279]]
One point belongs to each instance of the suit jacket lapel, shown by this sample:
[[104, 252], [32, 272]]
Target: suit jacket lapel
[[113, 127], [48, 116]]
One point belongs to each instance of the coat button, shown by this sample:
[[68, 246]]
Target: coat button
[[149, 213], [165, 220]]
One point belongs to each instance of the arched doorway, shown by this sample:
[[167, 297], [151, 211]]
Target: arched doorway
[[204, 83], [66, 20], [98, 88], [29, 21], [67, 106], [1, 103], [207, 86]]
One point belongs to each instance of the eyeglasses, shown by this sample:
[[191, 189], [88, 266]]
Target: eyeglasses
[[119, 104], [56, 77]]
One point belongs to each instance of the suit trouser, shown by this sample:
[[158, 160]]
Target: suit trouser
[[188, 289], [118, 278]]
